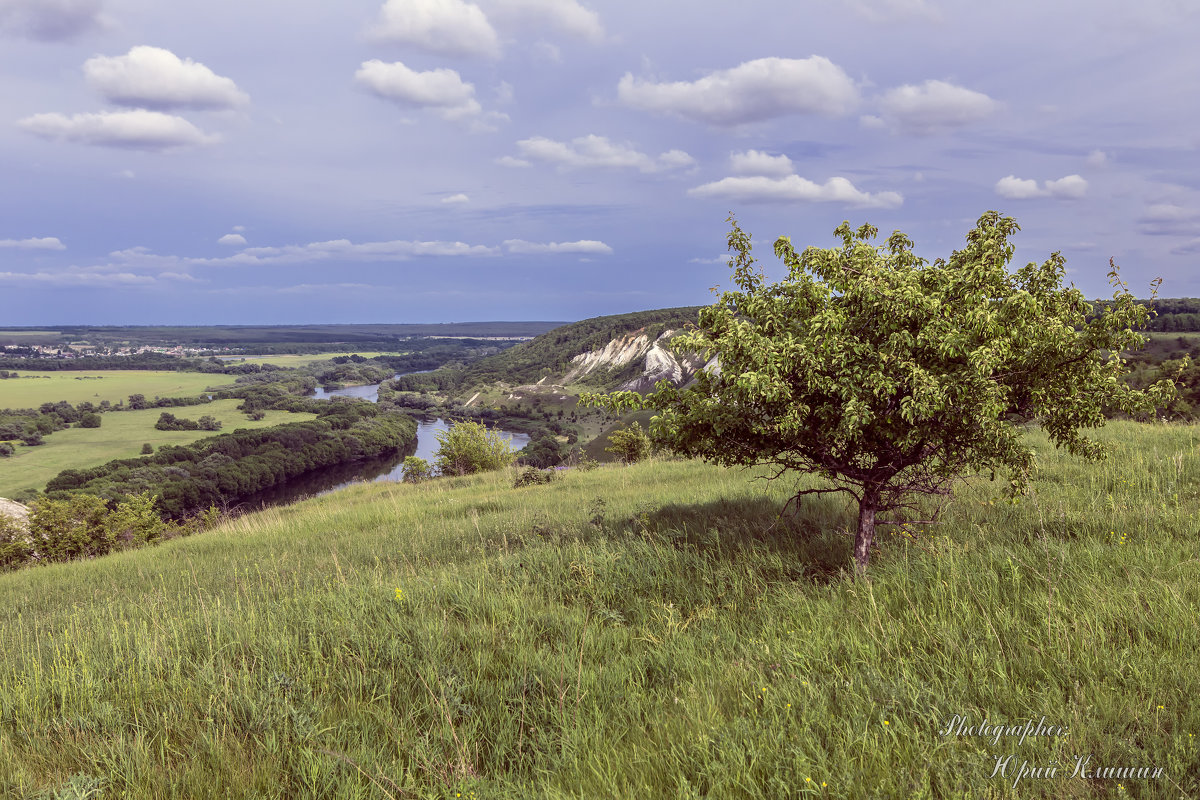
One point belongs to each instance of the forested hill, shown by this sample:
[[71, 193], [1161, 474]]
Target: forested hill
[[552, 352]]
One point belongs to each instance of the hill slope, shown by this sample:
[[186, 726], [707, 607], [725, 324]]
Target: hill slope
[[651, 631]]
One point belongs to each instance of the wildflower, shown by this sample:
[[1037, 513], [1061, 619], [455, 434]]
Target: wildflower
[[885, 722], [399, 594]]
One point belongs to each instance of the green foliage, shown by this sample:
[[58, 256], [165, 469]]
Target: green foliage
[[532, 476], [6, 449], [892, 377], [147, 449], [14, 544], [415, 469], [220, 470], [469, 447], [83, 527], [90, 420], [630, 444]]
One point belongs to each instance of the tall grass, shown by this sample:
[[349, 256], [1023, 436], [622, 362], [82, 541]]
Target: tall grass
[[661, 630]]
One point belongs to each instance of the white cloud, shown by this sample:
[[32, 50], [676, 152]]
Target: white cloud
[[49, 20], [151, 77], [456, 199], [1169, 219], [596, 151], [239, 228], [934, 106], [511, 161], [74, 279], [43, 243], [752, 91], [756, 162], [1097, 158], [721, 259], [233, 239], [137, 130], [440, 89], [590, 246], [894, 10], [445, 27], [567, 16], [793, 188], [1071, 187]]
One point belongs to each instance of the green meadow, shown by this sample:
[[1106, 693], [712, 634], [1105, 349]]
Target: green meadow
[[120, 435], [665, 630], [34, 388]]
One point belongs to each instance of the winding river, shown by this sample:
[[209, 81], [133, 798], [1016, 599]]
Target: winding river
[[331, 479]]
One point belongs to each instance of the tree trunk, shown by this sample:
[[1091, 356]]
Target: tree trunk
[[866, 532]]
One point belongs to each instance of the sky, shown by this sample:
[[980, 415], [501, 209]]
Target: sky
[[363, 161]]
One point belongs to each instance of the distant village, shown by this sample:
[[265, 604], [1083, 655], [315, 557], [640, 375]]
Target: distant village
[[66, 352]]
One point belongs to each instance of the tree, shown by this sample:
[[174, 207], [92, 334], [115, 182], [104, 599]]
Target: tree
[[469, 447], [892, 377], [137, 402], [147, 449], [89, 420], [631, 444], [209, 423]]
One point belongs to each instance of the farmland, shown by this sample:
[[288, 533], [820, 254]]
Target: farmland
[[120, 436], [34, 388]]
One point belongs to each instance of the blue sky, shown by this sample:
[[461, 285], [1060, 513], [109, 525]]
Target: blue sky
[[444, 160]]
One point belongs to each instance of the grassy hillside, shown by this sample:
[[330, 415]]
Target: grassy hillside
[[120, 435], [652, 631]]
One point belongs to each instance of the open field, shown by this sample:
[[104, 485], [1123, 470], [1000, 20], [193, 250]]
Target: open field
[[302, 361], [656, 631], [120, 435], [34, 388]]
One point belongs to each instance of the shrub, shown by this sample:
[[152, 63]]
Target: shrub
[[531, 476], [630, 444], [147, 449], [415, 470], [469, 447], [14, 547], [90, 420], [6, 449]]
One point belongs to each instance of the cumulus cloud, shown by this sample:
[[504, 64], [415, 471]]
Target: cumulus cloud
[[750, 92], [1097, 158], [442, 90], [566, 16], [444, 27], [49, 20], [151, 77], [1169, 219], [137, 130], [1071, 187], [587, 246], [232, 239], [756, 162], [43, 243], [456, 199], [596, 151], [793, 189], [934, 106]]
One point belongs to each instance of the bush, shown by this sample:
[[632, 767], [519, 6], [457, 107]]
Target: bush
[[82, 526], [14, 549], [415, 470], [6, 449], [469, 447], [147, 449], [531, 476], [91, 420], [630, 444]]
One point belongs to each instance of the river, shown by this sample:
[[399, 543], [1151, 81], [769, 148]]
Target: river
[[331, 479]]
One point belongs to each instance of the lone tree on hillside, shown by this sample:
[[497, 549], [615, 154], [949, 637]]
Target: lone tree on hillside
[[892, 377]]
